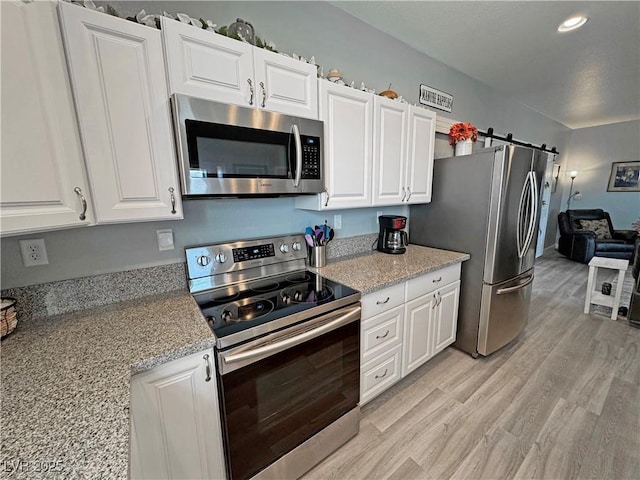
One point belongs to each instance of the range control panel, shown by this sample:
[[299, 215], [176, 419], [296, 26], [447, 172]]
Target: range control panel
[[252, 253], [233, 259]]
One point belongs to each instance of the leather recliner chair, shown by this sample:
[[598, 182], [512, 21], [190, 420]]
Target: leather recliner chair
[[582, 245]]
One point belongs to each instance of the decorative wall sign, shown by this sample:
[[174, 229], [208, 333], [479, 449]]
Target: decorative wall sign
[[625, 177], [436, 98]]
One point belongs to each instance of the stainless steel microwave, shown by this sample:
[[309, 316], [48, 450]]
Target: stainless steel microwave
[[227, 150]]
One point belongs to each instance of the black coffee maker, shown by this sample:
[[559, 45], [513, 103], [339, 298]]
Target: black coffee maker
[[392, 237]]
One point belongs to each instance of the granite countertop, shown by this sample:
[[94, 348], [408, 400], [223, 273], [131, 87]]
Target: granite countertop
[[65, 383], [376, 270]]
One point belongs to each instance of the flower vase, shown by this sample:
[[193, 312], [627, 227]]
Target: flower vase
[[464, 147]]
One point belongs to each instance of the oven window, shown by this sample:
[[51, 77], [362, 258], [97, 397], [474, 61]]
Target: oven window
[[223, 151], [277, 403]]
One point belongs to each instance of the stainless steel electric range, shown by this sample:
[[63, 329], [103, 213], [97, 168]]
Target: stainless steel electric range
[[287, 354]]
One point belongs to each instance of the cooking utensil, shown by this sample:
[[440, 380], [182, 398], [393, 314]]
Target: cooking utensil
[[310, 240], [329, 235]]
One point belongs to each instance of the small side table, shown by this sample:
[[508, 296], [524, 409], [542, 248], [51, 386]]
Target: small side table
[[597, 298]]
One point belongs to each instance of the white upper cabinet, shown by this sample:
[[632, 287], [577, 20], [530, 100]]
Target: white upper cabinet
[[206, 65], [118, 76], [42, 161], [347, 116], [419, 165], [404, 138], [390, 127], [377, 151], [285, 85]]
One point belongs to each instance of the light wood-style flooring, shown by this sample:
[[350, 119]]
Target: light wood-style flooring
[[560, 402]]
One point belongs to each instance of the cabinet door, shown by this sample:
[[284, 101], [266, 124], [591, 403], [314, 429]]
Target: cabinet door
[[347, 117], [422, 132], [389, 151], [419, 317], [42, 160], [285, 85], [207, 65], [444, 333], [177, 424], [118, 78]]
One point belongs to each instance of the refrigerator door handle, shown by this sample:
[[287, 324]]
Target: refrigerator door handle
[[502, 291], [533, 211], [521, 221]]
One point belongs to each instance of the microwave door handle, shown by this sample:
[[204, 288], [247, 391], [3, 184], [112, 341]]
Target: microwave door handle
[[298, 174]]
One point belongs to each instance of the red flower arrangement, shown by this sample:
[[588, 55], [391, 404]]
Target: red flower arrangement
[[462, 131]]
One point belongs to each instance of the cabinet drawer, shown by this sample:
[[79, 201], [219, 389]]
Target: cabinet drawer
[[432, 281], [379, 374], [382, 300], [381, 333]]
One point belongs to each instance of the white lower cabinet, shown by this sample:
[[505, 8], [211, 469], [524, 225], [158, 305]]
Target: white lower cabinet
[[446, 321], [405, 325], [419, 325], [175, 421], [380, 373]]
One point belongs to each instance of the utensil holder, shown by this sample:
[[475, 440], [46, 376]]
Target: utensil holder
[[318, 256]]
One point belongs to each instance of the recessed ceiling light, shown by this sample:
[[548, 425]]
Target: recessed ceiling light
[[572, 23]]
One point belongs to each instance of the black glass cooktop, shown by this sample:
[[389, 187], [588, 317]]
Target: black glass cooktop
[[232, 309]]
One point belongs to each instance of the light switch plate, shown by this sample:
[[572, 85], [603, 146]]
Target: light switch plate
[[337, 222], [165, 239]]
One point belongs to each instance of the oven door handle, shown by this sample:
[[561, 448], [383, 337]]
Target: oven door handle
[[351, 314]]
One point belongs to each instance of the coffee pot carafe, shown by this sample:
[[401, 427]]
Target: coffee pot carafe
[[392, 237]]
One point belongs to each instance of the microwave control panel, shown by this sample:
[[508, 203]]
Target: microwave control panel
[[311, 157]]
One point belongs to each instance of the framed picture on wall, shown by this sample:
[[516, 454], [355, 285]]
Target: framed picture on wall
[[625, 177]]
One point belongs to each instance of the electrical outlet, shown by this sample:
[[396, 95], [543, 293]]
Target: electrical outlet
[[33, 252], [337, 222]]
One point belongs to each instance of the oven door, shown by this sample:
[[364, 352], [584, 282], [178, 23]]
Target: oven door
[[279, 391]]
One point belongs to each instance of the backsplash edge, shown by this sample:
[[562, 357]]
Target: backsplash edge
[[66, 296]]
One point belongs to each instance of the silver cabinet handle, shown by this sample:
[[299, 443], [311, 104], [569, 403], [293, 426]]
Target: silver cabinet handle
[[207, 368], [383, 375], [264, 94], [408, 190], [435, 302], [378, 337], [173, 201], [83, 215], [404, 194], [382, 303], [436, 280], [326, 203], [250, 90]]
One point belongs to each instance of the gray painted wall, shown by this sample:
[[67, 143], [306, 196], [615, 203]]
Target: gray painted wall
[[591, 152], [337, 40]]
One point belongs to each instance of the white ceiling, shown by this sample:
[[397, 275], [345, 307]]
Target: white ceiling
[[583, 78]]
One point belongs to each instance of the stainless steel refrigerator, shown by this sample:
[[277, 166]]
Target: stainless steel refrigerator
[[486, 204]]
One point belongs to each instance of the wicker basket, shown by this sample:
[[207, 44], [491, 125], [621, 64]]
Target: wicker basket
[[8, 318]]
